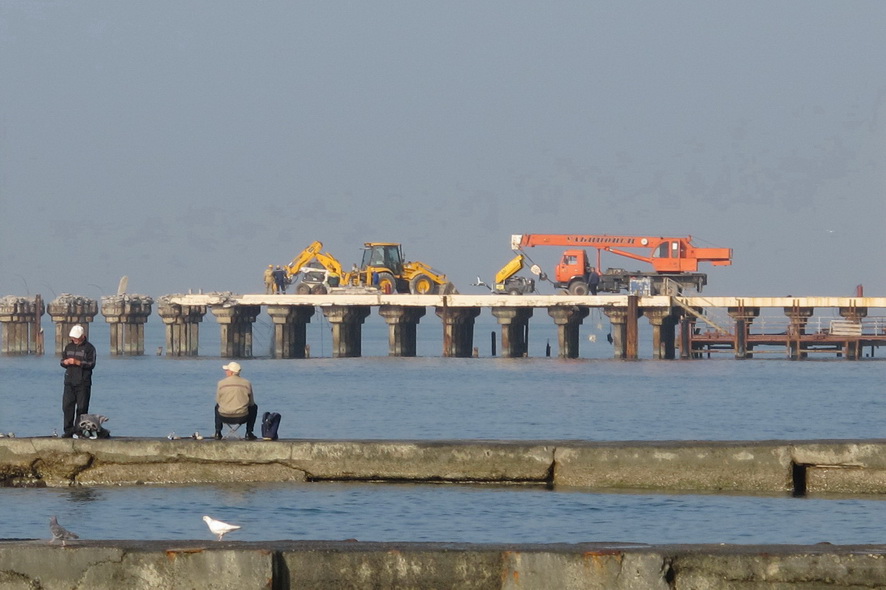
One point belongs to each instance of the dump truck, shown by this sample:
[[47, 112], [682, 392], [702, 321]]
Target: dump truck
[[382, 268], [674, 260]]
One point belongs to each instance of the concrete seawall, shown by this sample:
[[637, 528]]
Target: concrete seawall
[[823, 466], [328, 565]]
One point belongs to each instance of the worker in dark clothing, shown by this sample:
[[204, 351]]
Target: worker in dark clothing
[[593, 280], [280, 280], [78, 360]]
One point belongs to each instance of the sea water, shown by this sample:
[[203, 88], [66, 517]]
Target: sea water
[[430, 397]]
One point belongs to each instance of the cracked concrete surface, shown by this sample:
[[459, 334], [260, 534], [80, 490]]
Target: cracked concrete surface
[[735, 466]]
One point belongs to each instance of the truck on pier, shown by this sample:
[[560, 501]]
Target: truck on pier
[[674, 262], [383, 268]]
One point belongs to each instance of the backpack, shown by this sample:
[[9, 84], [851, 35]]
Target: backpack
[[90, 426], [270, 422]]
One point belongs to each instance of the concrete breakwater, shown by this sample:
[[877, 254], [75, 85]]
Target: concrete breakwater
[[322, 565], [798, 467]]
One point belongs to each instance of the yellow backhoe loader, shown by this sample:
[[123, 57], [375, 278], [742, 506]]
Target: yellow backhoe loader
[[382, 268]]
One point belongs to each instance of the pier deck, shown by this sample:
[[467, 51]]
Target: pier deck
[[682, 327]]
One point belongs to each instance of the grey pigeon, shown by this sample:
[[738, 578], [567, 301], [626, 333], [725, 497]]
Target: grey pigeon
[[60, 533]]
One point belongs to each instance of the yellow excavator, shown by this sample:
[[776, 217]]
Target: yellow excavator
[[382, 268]]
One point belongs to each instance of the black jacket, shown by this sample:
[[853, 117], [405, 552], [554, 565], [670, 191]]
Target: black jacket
[[79, 374]]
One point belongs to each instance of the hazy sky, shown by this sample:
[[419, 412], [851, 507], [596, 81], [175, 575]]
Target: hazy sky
[[188, 144]]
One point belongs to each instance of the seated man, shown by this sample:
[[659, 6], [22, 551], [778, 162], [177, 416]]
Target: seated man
[[234, 402]]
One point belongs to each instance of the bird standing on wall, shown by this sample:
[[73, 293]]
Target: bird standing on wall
[[60, 533], [218, 527]]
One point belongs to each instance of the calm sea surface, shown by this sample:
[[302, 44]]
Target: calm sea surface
[[430, 397]]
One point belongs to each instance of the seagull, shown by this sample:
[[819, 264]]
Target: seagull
[[218, 527], [60, 533]]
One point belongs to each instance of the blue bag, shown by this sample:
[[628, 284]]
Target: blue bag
[[270, 422]]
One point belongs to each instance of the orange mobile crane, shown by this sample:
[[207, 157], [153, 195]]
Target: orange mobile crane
[[675, 261]]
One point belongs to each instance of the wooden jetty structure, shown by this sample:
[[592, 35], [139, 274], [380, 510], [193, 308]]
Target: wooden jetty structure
[[689, 327]]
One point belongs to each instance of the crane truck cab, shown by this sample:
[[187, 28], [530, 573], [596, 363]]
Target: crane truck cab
[[573, 272]]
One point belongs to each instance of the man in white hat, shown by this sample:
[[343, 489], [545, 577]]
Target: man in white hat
[[234, 403], [78, 360]]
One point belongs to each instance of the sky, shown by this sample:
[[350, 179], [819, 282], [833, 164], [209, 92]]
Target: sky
[[188, 144]]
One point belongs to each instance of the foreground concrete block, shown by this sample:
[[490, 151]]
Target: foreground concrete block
[[779, 567], [132, 565], [337, 565], [678, 465], [477, 461]]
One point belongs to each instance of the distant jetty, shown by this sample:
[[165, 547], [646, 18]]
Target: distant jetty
[[683, 327]]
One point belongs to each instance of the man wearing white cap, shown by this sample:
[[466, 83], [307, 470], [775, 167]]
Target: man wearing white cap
[[234, 403], [78, 360]]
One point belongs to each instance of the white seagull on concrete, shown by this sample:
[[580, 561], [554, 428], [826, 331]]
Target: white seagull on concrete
[[218, 527], [60, 533]]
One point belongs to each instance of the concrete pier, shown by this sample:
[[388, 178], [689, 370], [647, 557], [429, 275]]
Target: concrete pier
[[127, 316], [799, 334], [236, 322], [20, 321], [355, 564], [514, 322], [347, 329], [290, 329], [67, 311], [402, 328], [458, 330], [182, 326]]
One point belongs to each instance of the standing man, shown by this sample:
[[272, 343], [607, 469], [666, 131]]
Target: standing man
[[269, 280], [280, 280], [593, 280], [234, 403], [78, 360]]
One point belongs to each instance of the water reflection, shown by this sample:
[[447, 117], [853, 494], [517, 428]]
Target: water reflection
[[78, 495]]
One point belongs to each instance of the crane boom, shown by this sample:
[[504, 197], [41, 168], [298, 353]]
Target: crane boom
[[666, 255]]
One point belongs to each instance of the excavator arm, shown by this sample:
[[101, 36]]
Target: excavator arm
[[311, 254]]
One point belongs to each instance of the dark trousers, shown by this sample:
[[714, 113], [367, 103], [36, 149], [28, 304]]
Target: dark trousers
[[75, 401], [248, 419]]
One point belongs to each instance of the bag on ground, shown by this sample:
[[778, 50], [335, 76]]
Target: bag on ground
[[270, 422], [90, 426]]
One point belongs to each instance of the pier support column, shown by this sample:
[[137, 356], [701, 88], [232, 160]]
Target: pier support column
[[664, 332], [402, 328], [290, 329], [852, 346], [514, 322], [687, 331], [67, 311], [20, 319], [799, 316], [568, 320], [236, 329], [618, 319], [458, 330], [182, 327], [347, 328], [127, 316], [743, 317]]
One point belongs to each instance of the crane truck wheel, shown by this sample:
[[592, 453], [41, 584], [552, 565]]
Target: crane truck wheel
[[387, 284], [422, 284], [578, 288], [302, 289]]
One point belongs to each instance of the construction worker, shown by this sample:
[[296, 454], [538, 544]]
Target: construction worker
[[269, 280], [279, 280]]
